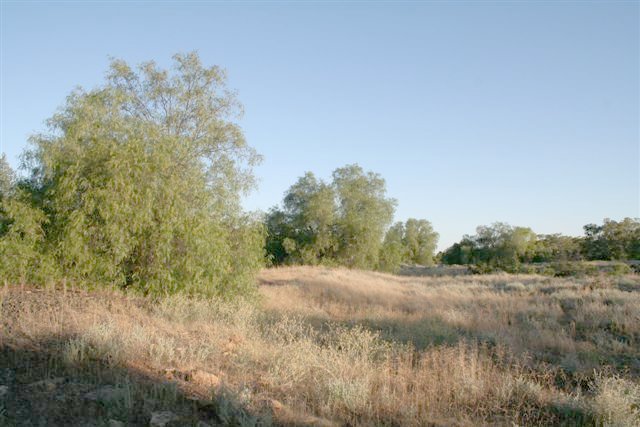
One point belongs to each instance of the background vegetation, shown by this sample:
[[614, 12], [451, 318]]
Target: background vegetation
[[137, 183], [503, 247]]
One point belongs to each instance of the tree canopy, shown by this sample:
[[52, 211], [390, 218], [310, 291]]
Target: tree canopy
[[505, 247], [139, 181], [7, 176], [411, 242], [499, 245], [618, 240], [338, 223]]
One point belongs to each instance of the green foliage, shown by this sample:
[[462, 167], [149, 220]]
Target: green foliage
[[571, 269], [247, 236], [310, 214], [620, 269], [498, 246], [612, 240], [277, 244], [338, 223], [22, 236], [364, 212], [503, 247], [7, 177], [23, 258], [459, 253], [141, 180], [555, 247], [393, 251], [420, 241], [413, 242]]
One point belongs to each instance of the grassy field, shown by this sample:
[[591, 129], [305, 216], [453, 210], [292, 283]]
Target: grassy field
[[328, 347]]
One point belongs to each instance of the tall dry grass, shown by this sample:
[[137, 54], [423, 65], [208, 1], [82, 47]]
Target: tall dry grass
[[576, 324], [341, 347]]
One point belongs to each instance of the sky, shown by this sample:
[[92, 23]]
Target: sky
[[474, 112]]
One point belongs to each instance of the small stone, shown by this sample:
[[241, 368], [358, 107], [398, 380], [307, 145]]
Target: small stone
[[116, 423], [161, 419], [4, 391]]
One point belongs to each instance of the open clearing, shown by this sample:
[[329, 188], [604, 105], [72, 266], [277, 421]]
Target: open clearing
[[328, 347]]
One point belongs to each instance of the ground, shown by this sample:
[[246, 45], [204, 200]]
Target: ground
[[326, 346]]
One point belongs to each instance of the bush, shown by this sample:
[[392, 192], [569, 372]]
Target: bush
[[23, 255], [572, 269], [515, 287], [620, 269], [616, 401], [125, 191]]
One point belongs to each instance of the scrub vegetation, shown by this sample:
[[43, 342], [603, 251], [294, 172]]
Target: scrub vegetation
[[135, 289], [325, 346]]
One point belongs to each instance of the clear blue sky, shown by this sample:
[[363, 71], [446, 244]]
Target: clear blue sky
[[474, 112]]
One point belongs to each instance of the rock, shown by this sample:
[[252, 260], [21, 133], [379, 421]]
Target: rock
[[48, 384], [116, 423], [4, 392], [106, 394], [205, 378], [162, 418]]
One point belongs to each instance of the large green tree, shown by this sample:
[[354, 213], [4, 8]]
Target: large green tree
[[141, 181], [22, 236], [364, 213], [338, 223], [393, 251], [555, 247], [411, 242], [302, 231], [420, 240], [498, 245], [617, 240]]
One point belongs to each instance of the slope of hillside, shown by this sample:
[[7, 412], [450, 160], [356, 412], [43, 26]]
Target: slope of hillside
[[328, 347]]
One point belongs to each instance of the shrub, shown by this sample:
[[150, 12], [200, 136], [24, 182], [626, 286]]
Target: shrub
[[616, 401], [23, 256], [620, 269], [136, 194], [572, 269]]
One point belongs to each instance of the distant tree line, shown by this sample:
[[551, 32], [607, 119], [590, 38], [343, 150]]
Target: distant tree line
[[344, 223], [501, 246]]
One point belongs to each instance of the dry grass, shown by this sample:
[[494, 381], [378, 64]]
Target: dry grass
[[577, 324], [341, 347]]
